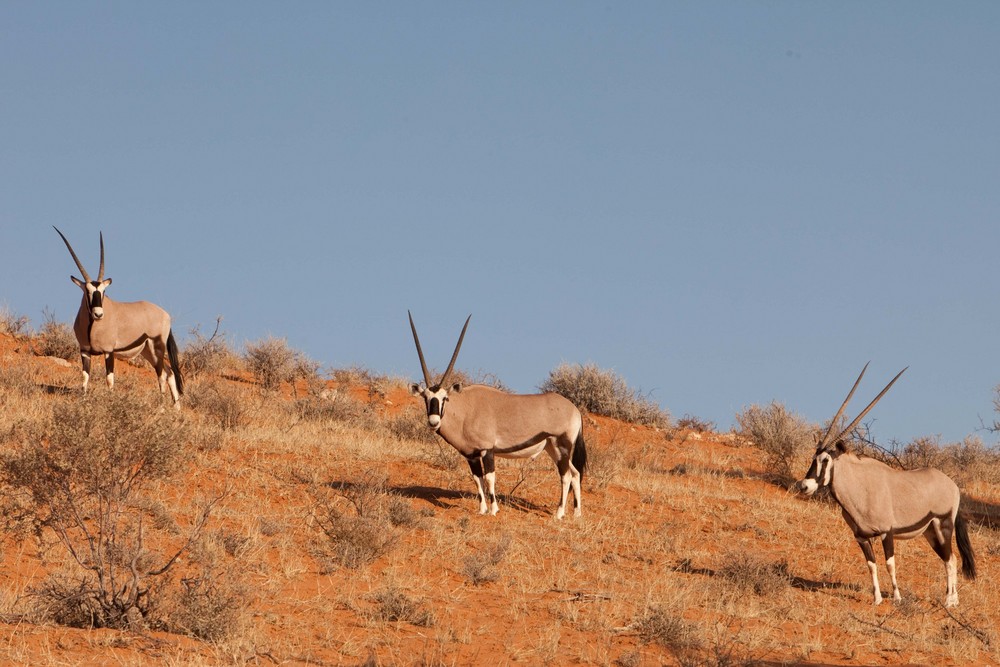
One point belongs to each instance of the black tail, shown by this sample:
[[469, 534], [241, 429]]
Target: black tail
[[580, 455], [175, 365], [965, 547]]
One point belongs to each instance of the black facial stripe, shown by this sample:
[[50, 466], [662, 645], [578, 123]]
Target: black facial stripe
[[97, 299], [434, 406]]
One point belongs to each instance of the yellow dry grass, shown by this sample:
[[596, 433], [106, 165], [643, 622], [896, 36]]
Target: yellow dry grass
[[684, 555]]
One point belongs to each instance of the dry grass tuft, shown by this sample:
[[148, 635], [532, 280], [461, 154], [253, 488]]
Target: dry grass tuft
[[785, 438], [604, 392]]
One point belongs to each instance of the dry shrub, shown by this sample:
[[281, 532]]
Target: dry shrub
[[15, 326], [272, 362], [411, 424], [56, 339], [786, 438], [85, 474], [356, 520], [693, 423], [222, 403], [16, 379], [668, 628], [209, 355], [604, 392], [394, 606], [210, 607], [481, 568], [749, 572], [338, 406]]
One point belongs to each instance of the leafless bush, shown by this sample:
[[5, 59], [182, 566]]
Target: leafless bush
[[361, 534], [783, 436], [18, 379], [272, 362], [224, 404], [394, 606], [411, 424], [15, 326], [209, 355], [481, 568], [85, 476], [604, 392], [668, 628], [56, 339], [210, 607], [752, 573], [693, 423]]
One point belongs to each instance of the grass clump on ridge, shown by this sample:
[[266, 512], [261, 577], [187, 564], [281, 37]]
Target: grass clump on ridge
[[604, 392]]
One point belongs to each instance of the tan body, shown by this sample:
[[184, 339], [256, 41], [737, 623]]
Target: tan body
[[482, 422], [880, 502], [123, 330], [124, 333]]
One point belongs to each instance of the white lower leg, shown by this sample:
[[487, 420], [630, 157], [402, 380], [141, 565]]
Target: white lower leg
[[874, 571], [491, 485], [483, 508], [951, 567], [890, 565]]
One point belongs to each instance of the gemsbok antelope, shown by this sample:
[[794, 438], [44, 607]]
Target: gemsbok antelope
[[878, 501], [482, 422], [123, 330]]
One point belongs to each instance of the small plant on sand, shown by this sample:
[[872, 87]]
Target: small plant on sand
[[604, 392], [272, 362], [356, 520], [56, 339], [15, 326], [785, 437], [481, 568], [394, 606], [207, 355], [85, 478]]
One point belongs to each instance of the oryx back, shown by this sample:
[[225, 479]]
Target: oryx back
[[123, 330], [482, 422]]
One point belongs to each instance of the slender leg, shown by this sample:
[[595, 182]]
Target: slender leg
[[476, 465], [890, 563], [489, 468], [109, 368], [939, 534], [85, 361], [866, 549]]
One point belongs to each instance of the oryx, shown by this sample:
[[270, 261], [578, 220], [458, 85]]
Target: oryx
[[123, 330], [482, 422], [878, 501]]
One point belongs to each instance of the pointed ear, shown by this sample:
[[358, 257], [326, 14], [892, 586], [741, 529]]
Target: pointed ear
[[456, 387], [415, 389], [76, 281], [842, 447], [815, 438], [105, 282]]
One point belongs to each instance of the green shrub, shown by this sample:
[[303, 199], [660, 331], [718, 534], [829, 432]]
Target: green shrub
[[604, 392]]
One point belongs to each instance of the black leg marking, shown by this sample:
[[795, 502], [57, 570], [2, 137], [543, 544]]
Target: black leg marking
[[489, 464], [476, 465]]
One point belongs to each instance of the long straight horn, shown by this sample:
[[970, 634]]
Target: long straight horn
[[857, 420], [420, 353], [451, 365], [79, 264], [100, 271], [836, 418]]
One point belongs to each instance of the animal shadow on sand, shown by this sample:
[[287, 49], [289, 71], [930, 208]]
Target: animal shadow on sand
[[801, 583], [441, 498]]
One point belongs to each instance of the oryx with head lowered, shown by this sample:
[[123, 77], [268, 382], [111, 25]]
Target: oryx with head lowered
[[879, 501], [124, 330], [482, 422]]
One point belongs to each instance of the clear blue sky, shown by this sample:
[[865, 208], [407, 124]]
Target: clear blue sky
[[725, 202]]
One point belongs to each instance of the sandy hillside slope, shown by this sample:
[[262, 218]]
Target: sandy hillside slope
[[342, 534]]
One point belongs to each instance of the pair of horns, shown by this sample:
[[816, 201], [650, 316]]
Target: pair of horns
[[420, 353], [827, 439], [79, 264]]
